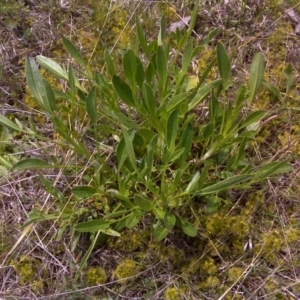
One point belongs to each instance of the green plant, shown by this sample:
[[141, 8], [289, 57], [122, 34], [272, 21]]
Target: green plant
[[163, 162]]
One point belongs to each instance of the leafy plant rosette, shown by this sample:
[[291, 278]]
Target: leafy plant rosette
[[150, 153]]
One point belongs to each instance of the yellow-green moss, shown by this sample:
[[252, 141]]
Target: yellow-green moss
[[95, 275], [210, 283], [126, 269], [130, 240], [234, 273], [207, 55], [174, 293], [27, 269]]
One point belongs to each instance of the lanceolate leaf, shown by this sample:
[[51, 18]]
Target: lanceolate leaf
[[223, 63], [149, 100], [161, 64], [288, 73], [224, 184], [141, 34], [172, 128], [34, 80], [129, 147], [273, 168], [31, 163], [252, 118], [51, 103], [257, 70], [124, 91], [203, 92], [162, 30], [186, 142], [52, 67], [150, 155], [84, 191], [92, 226], [8, 123], [193, 183], [91, 105], [74, 52], [109, 63], [130, 65]]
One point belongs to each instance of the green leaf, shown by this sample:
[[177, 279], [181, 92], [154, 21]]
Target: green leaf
[[273, 168], [143, 202], [253, 118], [224, 185], [141, 34], [121, 153], [159, 213], [257, 70], [36, 85], [187, 56], [86, 257], [34, 80], [213, 203], [84, 191], [161, 65], [186, 142], [208, 131], [193, 183], [176, 101], [203, 92], [160, 233], [124, 91], [109, 63], [110, 232], [129, 147], [189, 229], [8, 123], [175, 155], [140, 74], [74, 52], [133, 219], [149, 159], [92, 225], [240, 152], [91, 105], [52, 67], [130, 66], [273, 89], [150, 70], [191, 82], [31, 163], [170, 220], [50, 96], [172, 128], [239, 100], [206, 72], [215, 32], [71, 75], [149, 100], [223, 64], [288, 73], [191, 25], [162, 30]]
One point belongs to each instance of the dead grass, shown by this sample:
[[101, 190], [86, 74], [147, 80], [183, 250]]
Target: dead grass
[[257, 259]]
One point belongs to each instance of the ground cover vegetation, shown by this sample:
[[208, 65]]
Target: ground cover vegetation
[[140, 162]]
